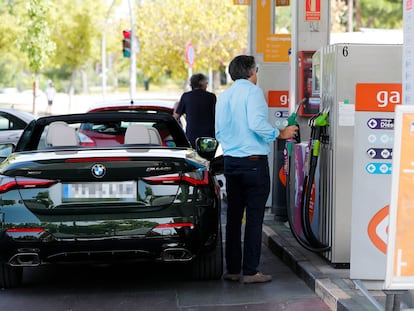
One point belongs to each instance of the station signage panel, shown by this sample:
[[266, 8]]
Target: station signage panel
[[400, 246], [278, 102], [275, 47], [375, 104]]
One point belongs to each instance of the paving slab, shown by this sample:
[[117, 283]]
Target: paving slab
[[332, 285]]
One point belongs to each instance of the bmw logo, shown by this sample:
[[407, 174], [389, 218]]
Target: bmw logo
[[98, 170]]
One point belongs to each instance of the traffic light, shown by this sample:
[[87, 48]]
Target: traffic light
[[126, 43]]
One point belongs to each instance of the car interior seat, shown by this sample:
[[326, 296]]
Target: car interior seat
[[137, 134], [60, 133]]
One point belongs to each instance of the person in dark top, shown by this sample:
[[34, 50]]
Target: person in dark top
[[199, 108]]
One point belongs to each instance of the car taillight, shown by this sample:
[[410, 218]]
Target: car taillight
[[98, 159], [24, 183], [175, 225], [25, 230], [192, 178], [85, 141]]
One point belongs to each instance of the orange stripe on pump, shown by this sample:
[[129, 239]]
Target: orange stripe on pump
[[378, 218]]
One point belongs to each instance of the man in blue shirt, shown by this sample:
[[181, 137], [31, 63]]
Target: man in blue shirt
[[199, 107], [243, 130]]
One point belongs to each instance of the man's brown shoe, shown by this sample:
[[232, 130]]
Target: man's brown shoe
[[232, 277], [257, 278]]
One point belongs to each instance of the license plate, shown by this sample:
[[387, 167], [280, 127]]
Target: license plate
[[112, 191]]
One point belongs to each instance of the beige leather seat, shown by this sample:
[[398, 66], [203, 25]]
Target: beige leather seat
[[60, 133], [140, 134], [137, 134]]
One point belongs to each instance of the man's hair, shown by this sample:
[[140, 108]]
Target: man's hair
[[241, 67], [196, 80]]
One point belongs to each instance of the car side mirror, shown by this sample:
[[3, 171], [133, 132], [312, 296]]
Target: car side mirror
[[206, 147]]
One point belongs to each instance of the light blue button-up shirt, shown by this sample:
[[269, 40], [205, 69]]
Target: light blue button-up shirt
[[242, 125]]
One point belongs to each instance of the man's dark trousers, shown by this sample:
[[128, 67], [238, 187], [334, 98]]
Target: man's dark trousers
[[247, 187]]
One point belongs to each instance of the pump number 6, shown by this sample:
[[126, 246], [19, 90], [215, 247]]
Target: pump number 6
[[345, 51]]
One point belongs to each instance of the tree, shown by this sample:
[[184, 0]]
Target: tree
[[385, 14], [216, 28], [77, 32], [338, 11], [11, 55], [379, 13], [37, 43]]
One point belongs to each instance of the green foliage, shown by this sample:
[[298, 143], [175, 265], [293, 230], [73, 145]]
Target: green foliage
[[381, 13], [37, 42], [8, 31], [76, 33], [30, 29], [12, 59], [338, 15], [216, 28]]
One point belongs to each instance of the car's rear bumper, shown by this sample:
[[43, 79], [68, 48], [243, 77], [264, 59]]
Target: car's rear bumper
[[34, 252]]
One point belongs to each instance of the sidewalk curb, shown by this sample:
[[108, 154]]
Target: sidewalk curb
[[333, 286]]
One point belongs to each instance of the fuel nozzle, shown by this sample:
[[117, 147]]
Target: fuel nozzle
[[319, 124], [322, 119], [323, 123], [291, 120]]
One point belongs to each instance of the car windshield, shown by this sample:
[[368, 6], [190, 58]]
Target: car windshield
[[97, 130]]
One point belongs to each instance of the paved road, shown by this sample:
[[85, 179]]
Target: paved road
[[155, 287]]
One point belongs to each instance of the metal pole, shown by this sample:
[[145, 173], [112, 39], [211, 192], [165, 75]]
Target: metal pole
[[133, 65], [389, 302], [397, 302], [190, 72], [350, 16], [293, 91], [393, 299], [364, 290]]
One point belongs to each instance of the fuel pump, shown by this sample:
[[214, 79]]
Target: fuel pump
[[319, 135], [318, 125]]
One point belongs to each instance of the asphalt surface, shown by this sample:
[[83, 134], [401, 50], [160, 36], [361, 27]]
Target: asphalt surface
[[156, 287], [332, 285]]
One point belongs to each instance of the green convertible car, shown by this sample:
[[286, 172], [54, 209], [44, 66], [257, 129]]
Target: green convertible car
[[71, 194]]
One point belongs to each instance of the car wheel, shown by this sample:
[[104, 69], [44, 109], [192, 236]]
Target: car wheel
[[10, 276], [209, 266]]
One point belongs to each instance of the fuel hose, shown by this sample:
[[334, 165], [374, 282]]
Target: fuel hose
[[305, 243], [317, 123]]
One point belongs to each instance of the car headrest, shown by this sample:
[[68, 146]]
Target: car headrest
[[137, 134], [60, 133]]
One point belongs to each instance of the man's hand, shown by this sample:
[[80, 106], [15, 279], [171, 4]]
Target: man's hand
[[288, 132]]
